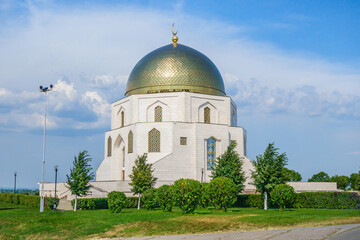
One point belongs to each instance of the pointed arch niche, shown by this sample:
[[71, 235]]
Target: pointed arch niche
[[158, 112], [130, 142], [109, 146], [208, 113], [118, 159], [154, 140]]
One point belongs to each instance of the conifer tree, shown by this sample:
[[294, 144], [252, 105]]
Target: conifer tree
[[268, 170], [229, 165], [80, 176], [142, 176]]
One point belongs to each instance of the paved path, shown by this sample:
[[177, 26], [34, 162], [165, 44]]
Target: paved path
[[337, 232], [64, 205]]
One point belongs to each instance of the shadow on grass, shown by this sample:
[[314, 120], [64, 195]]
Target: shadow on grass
[[6, 208]]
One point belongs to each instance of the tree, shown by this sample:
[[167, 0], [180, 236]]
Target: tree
[[342, 181], [284, 195], [222, 192], [355, 181], [142, 176], [80, 176], [268, 170], [229, 165], [320, 177], [291, 175], [187, 194]]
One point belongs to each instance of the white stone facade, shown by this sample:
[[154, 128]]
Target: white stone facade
[[182, 116]]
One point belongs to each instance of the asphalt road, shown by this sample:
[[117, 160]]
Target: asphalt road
[[337, 232]]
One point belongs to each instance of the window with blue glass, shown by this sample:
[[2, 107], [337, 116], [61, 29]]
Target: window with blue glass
[[211, 152]]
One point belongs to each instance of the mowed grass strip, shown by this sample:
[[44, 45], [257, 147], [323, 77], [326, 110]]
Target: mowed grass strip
[[18, 222]]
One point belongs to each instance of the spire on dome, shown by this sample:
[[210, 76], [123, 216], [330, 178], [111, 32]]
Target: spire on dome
[[174, 38]]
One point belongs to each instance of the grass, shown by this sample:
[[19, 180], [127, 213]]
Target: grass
[[18, 222]]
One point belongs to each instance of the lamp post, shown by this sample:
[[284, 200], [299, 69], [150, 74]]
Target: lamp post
[[56, 170], [15, 173], [44, 90]]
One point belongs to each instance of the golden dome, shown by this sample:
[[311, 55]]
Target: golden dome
[[175, 68]]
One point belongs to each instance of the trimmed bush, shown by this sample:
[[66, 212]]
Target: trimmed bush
[[28, 200], [222, 193], [187, 194], [91, 203], [329, 200], [164, 198], [148, 199], [283, 195], [116, 201]]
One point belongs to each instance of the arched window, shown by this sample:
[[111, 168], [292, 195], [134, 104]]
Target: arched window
[[158, 114], [109, 147], [122, 118], [130, 142], [206, 115], [211, 152], [154, 140]]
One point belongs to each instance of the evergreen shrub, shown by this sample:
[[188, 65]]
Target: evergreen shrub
[[148, 199], [28, 200], [329, 200], [116, 201], [283, 195], [91, 203], [187, 194], [164, 198], [222, 193]]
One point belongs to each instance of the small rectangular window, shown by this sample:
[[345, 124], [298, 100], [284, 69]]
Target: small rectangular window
[[183, 141]]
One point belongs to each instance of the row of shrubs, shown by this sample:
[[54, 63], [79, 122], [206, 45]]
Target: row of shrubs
[[28, 200], [327, 200], [102, 203]]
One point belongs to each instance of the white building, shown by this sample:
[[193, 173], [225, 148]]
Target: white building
[[176, 111]]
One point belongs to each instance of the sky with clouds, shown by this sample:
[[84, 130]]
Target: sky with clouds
[[293, 69]]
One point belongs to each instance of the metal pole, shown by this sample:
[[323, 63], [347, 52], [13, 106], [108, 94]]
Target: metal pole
[[56, 169], [43, 163], [15, 173], [44, 90]]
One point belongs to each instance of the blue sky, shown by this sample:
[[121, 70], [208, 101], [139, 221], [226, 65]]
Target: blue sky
[[292, 67]]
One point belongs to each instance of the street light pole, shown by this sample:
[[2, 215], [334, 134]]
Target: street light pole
[[15, 173], [44, 90], [56, 169]]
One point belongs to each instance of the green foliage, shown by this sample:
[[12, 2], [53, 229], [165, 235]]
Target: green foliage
[[320, 177], [142, 175], [222, 192], [28, 200], [148, 199], [329, 200], [80, 175], [355, 181], [204, 201], [91, 203], [187, 194], [164, 198], [268, 169], [284, 195], [132, 202], [251, 200], [229, 165], [116, 201], [291, 175], [342, 181]]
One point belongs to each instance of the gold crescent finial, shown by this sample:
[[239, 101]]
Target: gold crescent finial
[[172, 30], [174, 38]]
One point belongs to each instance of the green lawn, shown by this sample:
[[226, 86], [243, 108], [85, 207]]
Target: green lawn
[[18, 222]]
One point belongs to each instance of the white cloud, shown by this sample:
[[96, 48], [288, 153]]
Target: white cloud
[[92, 51]]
